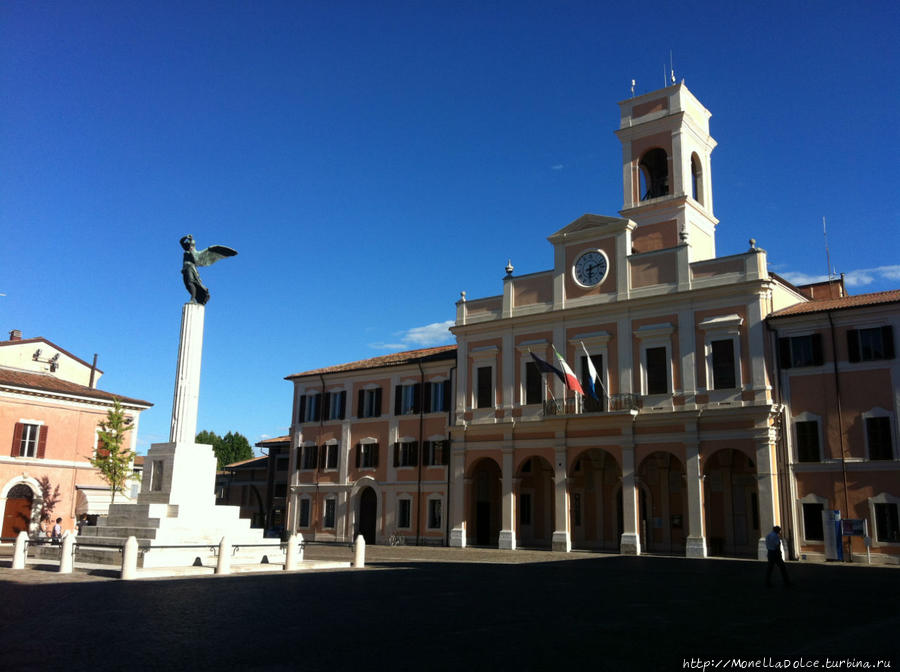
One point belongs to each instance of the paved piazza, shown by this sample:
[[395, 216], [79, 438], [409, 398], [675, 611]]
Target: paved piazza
[[454, 609]]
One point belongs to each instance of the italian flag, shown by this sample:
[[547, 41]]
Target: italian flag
[[571, 380]]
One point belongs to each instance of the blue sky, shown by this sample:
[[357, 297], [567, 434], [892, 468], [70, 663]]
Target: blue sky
[[371, 160]]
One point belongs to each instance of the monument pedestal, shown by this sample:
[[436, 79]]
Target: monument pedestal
[[177, 503]]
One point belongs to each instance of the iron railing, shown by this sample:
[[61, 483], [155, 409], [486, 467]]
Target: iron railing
[[588, 405]]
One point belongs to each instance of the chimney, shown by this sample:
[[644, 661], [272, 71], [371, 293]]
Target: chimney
[[15, 335]]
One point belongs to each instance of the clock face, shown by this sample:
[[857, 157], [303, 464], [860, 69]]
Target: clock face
[[590, 268]]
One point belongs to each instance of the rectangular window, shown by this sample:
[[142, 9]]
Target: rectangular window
[[310, 408], [799, 351], [887, 523], [367, 456], [592, 405], [878, 431], [406, 454], [484, 392], [434, 514], [281, 464], [309, 457], [525, 508], [435, 453], [328, 520], [335, 405], [331, 456], [406, 399], [723, 364], [865, 345], [280, 489], [29, 441], [404, 509], [534, 384], [812, 522], [437, 397], [657, 371], [156, 475], [304, 513], [808, 441], [369, 403]]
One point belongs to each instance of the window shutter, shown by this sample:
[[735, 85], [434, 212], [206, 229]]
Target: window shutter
[[298, 465], [446, 395], [17, 439], [42, 441], [417, 398], [343, 404], [396, 453], [318, 407], [445, 453], [818, 356], [377, 402], [301, 415], [853, 345], [326, 405], [360, 403], [415, 453], [426, 397], [887, 339], [398, 398], [358, 452], [784, 353], [426, 457], [323, 451], [375, 445]]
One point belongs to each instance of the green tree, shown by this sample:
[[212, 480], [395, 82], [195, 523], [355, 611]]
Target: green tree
[[233, 447], [114, 458], [49, 498]]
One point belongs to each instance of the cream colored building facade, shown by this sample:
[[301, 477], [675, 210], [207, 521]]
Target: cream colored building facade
[[686, 447]]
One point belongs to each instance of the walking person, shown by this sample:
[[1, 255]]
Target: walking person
[[773, 548], [56, 535]]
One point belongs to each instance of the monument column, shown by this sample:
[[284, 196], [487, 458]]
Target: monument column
[[185, 401]]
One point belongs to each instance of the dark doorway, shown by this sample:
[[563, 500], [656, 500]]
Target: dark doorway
[[368, 513], [484, 503], [17, 515]]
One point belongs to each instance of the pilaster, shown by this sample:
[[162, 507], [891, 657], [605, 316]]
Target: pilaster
[[562, 539], [695, 546], [767, 491], [507, 506], [458, 487], [631, 538]]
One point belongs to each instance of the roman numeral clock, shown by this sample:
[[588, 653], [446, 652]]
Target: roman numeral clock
[[590, 269]]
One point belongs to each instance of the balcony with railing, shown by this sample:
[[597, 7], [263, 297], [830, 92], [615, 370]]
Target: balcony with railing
[[614, 403]]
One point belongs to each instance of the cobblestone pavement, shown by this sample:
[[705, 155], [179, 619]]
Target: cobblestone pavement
[[454, 609]]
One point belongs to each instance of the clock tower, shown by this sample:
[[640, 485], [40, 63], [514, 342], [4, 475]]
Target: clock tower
[[666, 150]]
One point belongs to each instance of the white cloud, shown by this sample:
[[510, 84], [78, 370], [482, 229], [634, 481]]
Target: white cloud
[[558, 166], [437, 333], [858, 278]]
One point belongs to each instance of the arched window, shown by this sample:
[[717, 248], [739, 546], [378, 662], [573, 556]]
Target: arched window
[[654, 168], [696, 179]]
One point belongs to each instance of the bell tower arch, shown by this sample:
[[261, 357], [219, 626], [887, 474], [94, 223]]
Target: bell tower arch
[[666, 150]]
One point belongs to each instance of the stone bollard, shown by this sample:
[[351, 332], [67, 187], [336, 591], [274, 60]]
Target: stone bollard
[[129, 559], [20, 551], [290, 556], [67, 554], [359, 552], [223, 565]]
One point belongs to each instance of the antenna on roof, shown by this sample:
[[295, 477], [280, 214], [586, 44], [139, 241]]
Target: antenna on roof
[[827, 253], [671, 67]]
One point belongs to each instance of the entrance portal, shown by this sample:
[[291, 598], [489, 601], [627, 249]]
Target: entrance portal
[[368, 514], [731, 503], [17, 516], [484, 503]]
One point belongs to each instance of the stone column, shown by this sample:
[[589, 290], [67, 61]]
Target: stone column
[[458, 493], [767, 490], [631, 538], [507, 515], [562, 539], [695, 545], [187, 375]]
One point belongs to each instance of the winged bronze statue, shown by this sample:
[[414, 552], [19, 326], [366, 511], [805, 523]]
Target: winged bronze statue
[[192, 259]]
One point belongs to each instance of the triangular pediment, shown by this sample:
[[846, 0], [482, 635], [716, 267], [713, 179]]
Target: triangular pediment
[[590, 225]]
